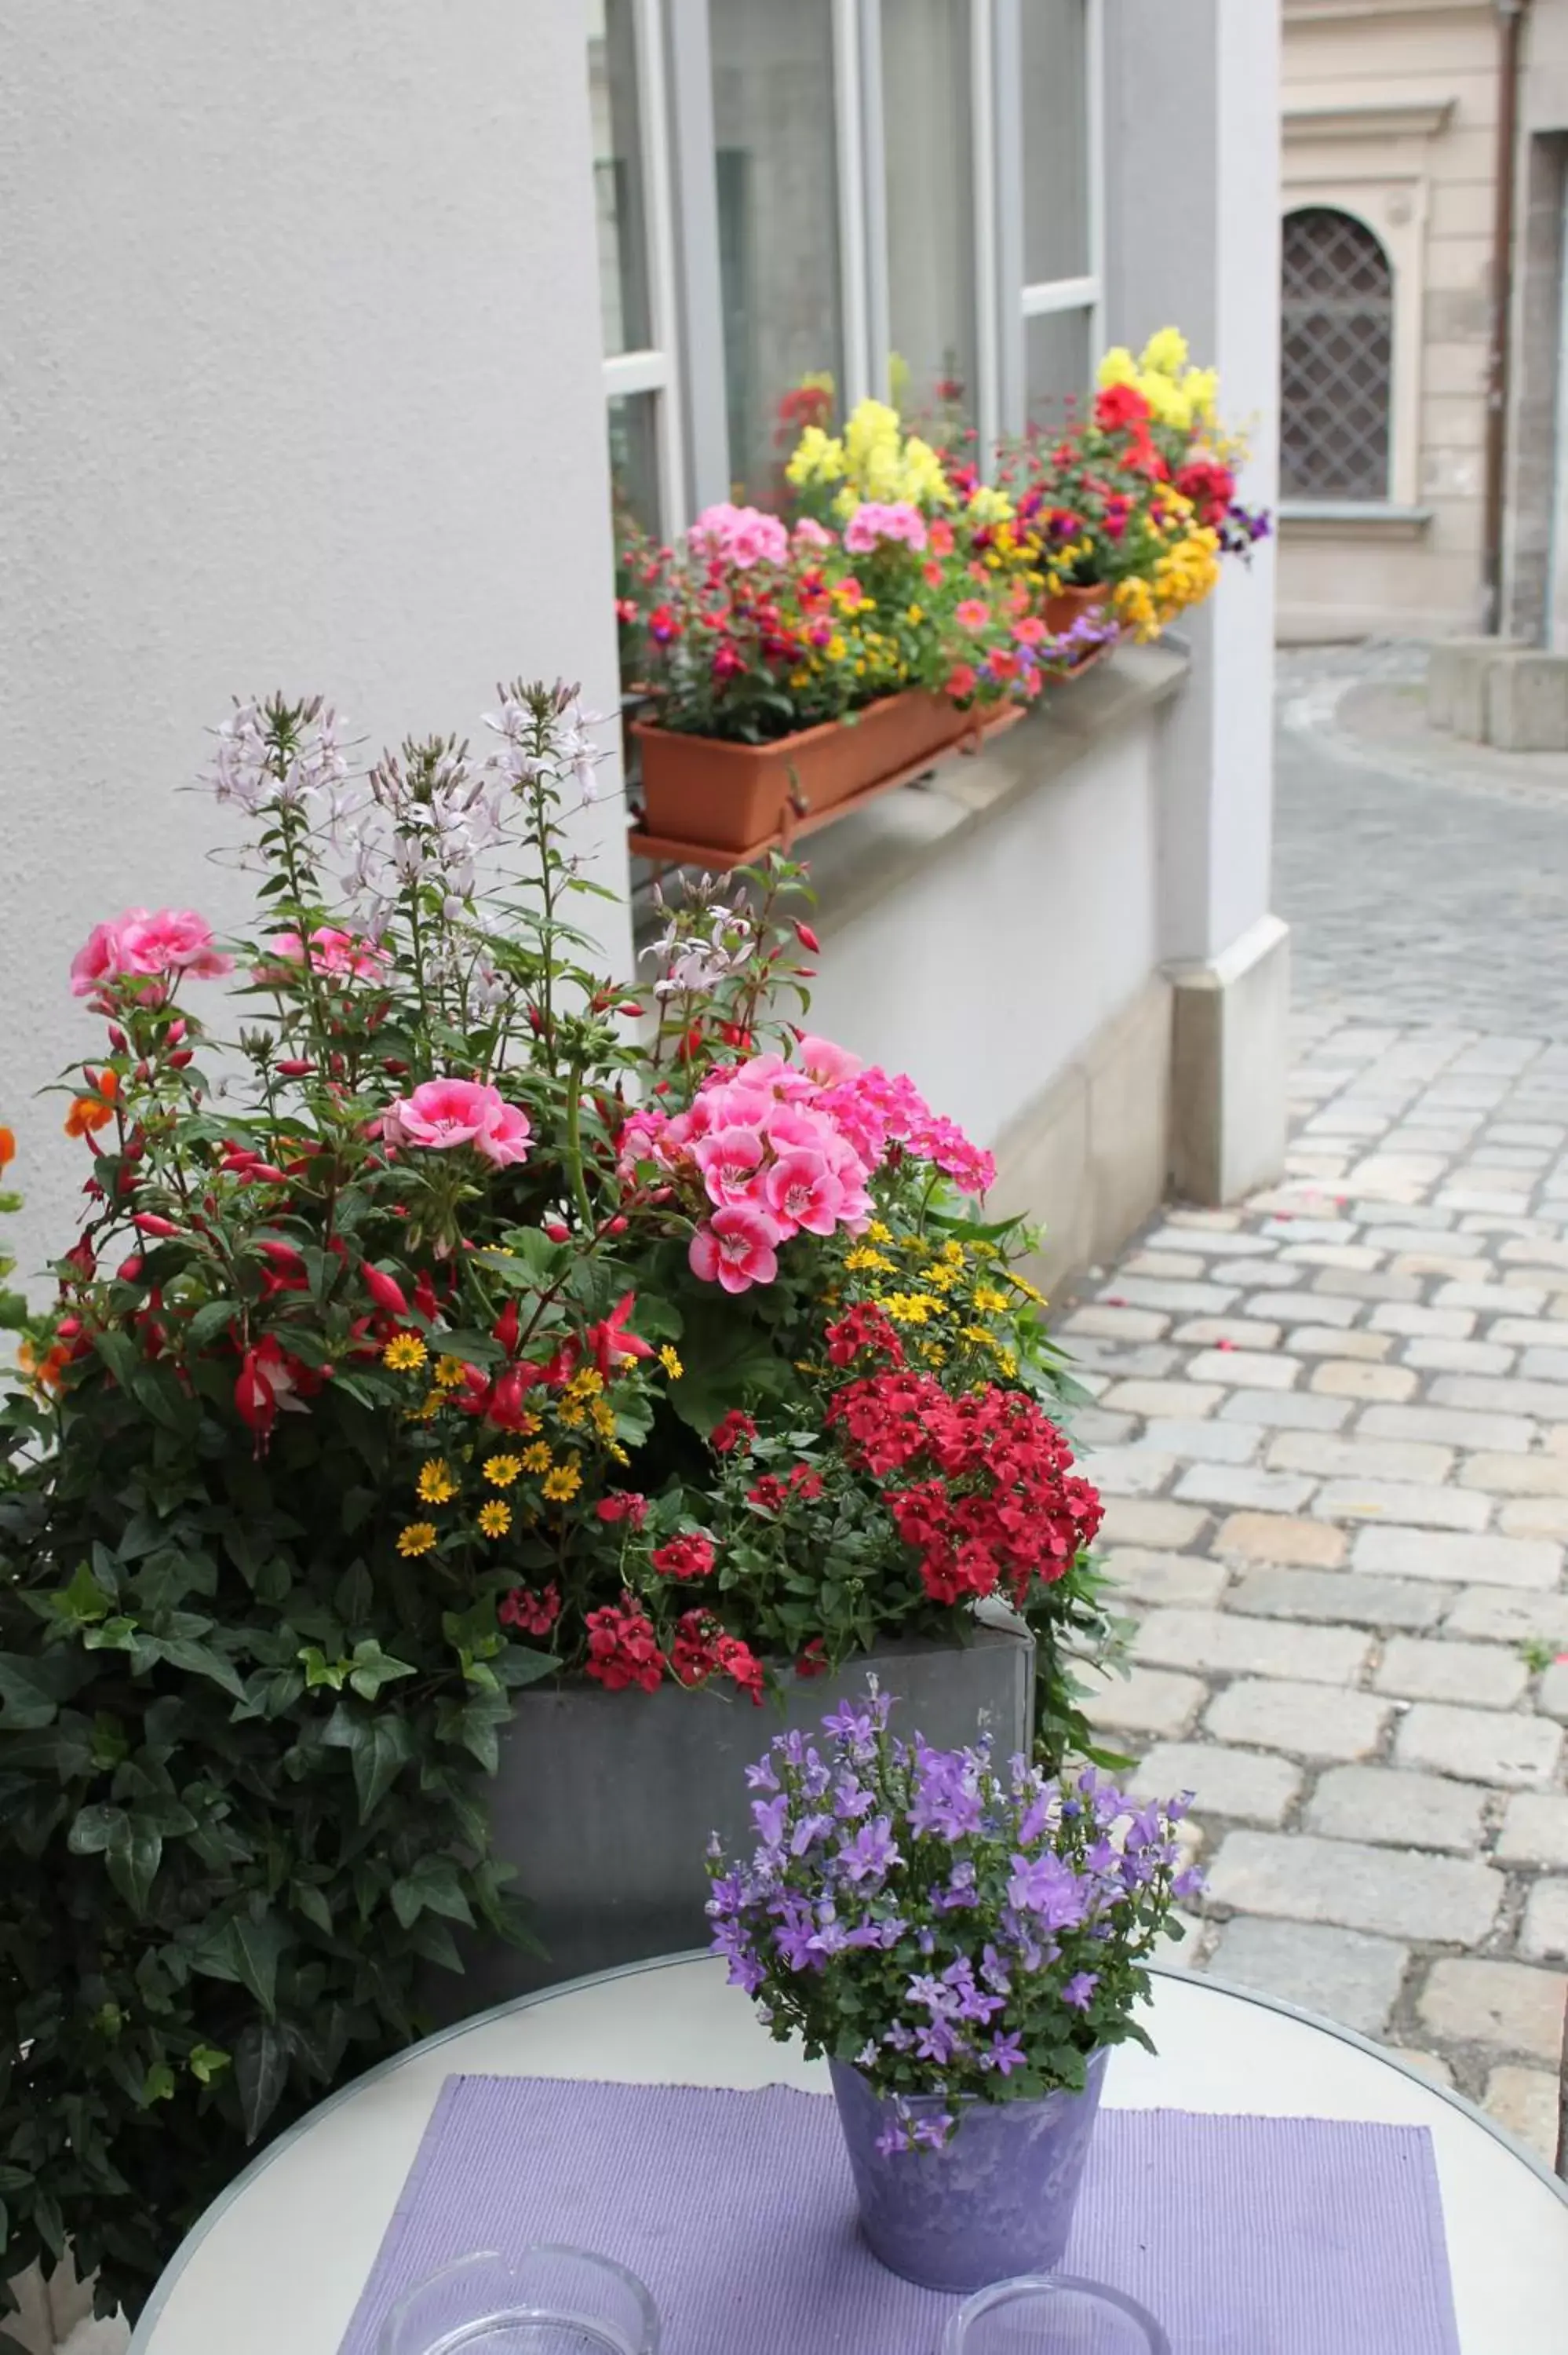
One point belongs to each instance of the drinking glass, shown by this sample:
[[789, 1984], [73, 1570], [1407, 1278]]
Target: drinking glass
[[1053, 2313], [551, 2300]]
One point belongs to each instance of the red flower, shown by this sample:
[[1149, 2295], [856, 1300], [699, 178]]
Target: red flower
[[690, 1555], [611, 1343], [812, 1662], [535, 1613], [987, 1495], [1120, 406], [624, 1505], [623, 1648], [863, 1330], [772, 1495], [735, 1429], [702, 1649], [266, 1379], [507, 1404]]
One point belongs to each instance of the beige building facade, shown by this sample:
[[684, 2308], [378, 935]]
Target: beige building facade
[[1390, 128]]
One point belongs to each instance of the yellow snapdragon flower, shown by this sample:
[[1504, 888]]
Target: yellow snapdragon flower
[[1165, 352], [818, 457], [1119, 367], [988, 504]]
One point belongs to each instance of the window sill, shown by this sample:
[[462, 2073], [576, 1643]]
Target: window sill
[[873, 853], [1352, 519]]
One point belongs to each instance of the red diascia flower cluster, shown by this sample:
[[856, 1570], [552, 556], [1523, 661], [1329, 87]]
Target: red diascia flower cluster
[[982, 1486], [623, 1649]]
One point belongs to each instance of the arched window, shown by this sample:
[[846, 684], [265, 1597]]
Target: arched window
[[1336, 358]]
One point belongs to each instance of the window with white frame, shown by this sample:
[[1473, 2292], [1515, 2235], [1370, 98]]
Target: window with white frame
[[838, 197]]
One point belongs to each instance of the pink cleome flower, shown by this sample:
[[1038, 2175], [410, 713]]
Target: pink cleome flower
[[143, 945], [442, 1113]]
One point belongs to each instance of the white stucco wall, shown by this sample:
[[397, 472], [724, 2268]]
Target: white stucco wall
[[300, 386], [1199, 250], [986, 972]]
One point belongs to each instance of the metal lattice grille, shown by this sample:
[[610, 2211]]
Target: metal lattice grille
[[1336, 358]]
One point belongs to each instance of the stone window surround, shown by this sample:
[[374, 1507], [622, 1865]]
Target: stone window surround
[[1370, 160]]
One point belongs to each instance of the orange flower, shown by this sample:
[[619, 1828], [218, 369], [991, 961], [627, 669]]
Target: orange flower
[[90, 1113], [45, 1372], [7, 1147]]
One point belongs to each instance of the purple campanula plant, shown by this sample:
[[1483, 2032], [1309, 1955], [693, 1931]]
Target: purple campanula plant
[[946, 1927]]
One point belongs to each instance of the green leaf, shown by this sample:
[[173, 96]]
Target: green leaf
[[32, 1691], [96, 1830], [354, 1596], [83, 1599], [309, 1901], [378, 1748], [206, 2062], [158, 2085], [260, 2073], [200, 1659], [373, 1669]]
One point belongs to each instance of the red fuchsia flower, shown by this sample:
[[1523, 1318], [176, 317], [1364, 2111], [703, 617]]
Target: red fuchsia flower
[[535, 1613], [442, 1113], [611, 1343], [735, 1429], [506, 1401], [141, 945], [623, 1649], [148, 1222], [737, 1248], [268, 1381], [728, 662], [807, 939], [690, 1555], [972, 613], [625, 1505], [385, 1291], [663, 623]]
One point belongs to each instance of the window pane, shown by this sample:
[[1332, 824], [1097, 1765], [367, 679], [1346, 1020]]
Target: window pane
[[618, 176], [634, 459], [1055, 88], [1056, 367], [931, 207], [1336, 358], [778, 216]]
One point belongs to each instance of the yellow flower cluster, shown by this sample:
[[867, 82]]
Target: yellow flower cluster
[[873, 459], [1184, 574], [1177, 395]]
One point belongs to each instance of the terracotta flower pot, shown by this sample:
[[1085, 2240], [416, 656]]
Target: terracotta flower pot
[[1069, 605], [699, 789]]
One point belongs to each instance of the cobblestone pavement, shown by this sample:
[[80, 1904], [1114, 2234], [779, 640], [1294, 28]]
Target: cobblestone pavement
[[1332, 1429]]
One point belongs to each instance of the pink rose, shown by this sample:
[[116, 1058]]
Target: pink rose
[[442, 1113]]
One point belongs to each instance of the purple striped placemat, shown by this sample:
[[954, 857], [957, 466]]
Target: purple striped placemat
[[1246, 2235]]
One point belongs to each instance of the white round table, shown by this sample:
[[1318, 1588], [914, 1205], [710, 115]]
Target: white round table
[[278, 2262]]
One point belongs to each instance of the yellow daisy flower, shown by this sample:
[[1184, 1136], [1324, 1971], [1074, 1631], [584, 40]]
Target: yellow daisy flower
[[502, 1470], [862, 1260], [436, 1485], [448, 1372], [404, 1353], [563, 1482], [671, 1363], [992, 1302], [586, 1385], [878, 1233], [418, 1538], [537, 1458], [603, 1415], [495, 1518]]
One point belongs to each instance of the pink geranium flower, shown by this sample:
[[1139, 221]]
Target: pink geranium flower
[[874, 523], [143, 945], [802, 1191], [736, 1249], [824, 1060], [338, 955], [740, 536], [729, 1159], [442, 1113]]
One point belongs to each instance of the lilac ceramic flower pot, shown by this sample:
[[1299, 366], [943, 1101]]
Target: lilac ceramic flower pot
[[995, 2201]]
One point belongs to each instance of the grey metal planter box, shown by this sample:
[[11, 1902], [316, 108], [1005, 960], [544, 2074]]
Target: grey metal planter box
[[604, 1802]]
